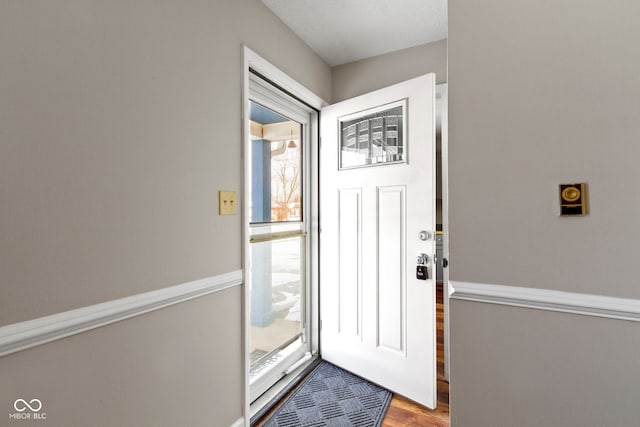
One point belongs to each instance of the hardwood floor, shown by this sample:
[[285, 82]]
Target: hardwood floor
[[402, 411]]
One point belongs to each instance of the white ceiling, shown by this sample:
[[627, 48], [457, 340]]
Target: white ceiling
[[342, 31]]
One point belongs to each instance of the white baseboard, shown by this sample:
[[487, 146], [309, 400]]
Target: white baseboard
[[23, 335], [238, 423], [546, 299]]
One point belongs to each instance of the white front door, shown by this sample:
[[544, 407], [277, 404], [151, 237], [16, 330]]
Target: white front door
[[377, 194]]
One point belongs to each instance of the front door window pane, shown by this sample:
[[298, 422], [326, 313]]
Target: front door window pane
[[373, 137]]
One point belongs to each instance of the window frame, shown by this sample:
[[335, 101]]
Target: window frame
[[273, 97]]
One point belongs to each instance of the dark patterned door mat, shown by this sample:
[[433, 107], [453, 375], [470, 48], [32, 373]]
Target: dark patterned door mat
[[331, 396]]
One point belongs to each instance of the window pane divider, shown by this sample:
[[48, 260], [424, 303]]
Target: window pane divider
[[268, 237]]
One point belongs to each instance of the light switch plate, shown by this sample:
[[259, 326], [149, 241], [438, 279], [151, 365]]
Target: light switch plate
[[227, 203]]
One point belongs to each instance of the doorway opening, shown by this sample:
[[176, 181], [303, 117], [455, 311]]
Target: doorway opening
[[365, 154], [281, 230], [280, 243]]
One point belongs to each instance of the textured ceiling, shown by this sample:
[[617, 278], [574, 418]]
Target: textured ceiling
[[342, 31]]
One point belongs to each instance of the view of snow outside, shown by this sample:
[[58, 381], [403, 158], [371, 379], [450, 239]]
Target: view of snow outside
[[286, 281], [277, 265]]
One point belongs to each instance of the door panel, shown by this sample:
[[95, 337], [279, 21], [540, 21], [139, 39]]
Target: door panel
[[377, 194], [390, 259], [349, 261]]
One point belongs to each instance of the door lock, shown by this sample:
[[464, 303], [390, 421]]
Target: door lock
[[422, 259], [422, 271]]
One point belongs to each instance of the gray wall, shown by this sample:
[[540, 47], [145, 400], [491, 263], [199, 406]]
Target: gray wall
[[119, 122], [530, 368], [359, 77], [543, 93], [179, 366]]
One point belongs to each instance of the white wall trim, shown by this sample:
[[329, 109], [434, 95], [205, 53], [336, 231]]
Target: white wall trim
[[238, 423], [30, 333], [266, 68], [546, 299]]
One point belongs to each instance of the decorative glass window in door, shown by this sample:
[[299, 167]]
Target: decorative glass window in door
[[373, 137]]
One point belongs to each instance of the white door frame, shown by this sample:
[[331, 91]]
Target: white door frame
[[251, 60], [442, 112]]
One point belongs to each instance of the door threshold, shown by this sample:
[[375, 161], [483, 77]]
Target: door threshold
[[270, 399]]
